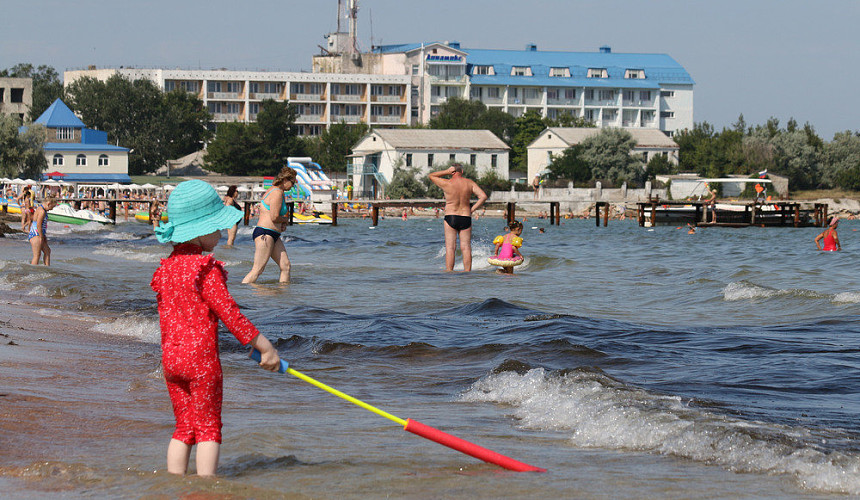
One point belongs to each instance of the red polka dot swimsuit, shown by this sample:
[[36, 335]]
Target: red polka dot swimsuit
[[192, 296]]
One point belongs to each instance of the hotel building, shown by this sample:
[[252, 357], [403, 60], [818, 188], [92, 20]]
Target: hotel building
[[399, 85]]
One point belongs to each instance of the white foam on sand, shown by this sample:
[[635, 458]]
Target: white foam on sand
[[137, 327], [745, 290], [598, 412]]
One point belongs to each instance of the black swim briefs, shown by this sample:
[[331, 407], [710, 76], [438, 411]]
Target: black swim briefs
[[260, 231], [458, 222]]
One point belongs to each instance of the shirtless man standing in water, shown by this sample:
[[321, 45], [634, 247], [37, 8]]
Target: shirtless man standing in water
[[458, 213]]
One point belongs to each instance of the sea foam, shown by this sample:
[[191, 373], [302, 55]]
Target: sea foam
[[138, 327], [597, 411]]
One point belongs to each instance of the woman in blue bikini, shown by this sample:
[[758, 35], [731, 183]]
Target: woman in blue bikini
[[267, 235], [38, 235]]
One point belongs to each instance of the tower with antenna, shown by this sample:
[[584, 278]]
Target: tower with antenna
[[344, 41]]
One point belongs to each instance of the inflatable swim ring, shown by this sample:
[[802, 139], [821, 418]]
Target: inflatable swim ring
[[495, 261]]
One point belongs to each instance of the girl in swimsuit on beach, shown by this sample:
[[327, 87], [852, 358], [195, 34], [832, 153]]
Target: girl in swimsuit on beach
[[191, 289], [267, 235], [507, 255], [831, 239], [38, 235]]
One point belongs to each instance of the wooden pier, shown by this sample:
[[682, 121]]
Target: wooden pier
[[784, 213]]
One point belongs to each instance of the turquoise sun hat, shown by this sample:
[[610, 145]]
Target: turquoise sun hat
[[195, 209]]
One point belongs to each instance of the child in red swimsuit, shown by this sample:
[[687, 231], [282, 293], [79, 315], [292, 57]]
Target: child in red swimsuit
[[192, 296]]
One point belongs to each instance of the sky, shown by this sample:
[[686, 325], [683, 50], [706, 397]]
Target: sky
[[761, 58]]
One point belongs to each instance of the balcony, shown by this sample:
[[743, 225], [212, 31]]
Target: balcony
[[638, 103], [226, 117], [437, 99], [386, 119], [346, 118], [309, 97], [492, 100], [224, 95], [347, 97], [447, 79], [309, 118], [533, 101], [265, 95], [386, 98], [560, 101]]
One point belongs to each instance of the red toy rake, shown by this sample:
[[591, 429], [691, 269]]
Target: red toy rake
[[418, 428]]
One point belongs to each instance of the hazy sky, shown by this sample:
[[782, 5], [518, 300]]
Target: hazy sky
[[762, 58]]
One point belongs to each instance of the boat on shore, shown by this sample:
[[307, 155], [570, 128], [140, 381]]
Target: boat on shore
[[144, 216], [65, 214]]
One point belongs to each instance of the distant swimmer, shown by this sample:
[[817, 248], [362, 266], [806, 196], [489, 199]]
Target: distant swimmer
[[458, 212], [831, 239], [692, 229]]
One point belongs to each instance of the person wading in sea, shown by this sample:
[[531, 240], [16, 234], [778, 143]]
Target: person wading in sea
[[458, 212]]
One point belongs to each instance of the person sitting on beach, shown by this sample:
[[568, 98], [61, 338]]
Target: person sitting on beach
[[831, 239], [273, 220], [38, 235], [189, 281], [458, 212], [507, 255]]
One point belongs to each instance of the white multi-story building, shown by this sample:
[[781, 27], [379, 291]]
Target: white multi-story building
[[398, 85], [321, 99]]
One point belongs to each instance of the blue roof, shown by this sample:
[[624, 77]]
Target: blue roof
[[97, 178], [658, 68], [77, 146], [59, 115]]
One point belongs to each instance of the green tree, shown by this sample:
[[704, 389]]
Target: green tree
[[608, 155], [405, 184], [136, 114], [491, 181], [21, 155], [458, 114], [527, 128], [566, 119], [47, 87], [187, 123], [333, 146], [843, 160], [498, 122], [659, 165], [239, 149], [570, 165], [276, 122]]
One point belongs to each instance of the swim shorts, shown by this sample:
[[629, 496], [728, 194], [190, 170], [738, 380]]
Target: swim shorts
[[458, 222]]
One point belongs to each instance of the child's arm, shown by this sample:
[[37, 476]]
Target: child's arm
[[215, 293]]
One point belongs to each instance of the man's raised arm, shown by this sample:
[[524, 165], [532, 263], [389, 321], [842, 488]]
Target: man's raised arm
[[437, 177]]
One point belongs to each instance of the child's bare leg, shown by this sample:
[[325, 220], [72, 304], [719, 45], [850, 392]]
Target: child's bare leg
[[207, 458], [177, 456], [279, 255]]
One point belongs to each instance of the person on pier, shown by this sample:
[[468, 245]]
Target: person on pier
[[458, 212], [712, 203]]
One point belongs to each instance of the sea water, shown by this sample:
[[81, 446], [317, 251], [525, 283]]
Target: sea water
[[629, 362]]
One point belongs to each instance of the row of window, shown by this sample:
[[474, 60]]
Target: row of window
[[561, 71], [277, 88], [80, 160], [494, 160]]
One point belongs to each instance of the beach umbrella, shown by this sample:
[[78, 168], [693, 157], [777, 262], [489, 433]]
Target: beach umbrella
[[259, 189], [18, 182], [148, 186], [5, 180], [50, 182], [243, 188], [30, 181], [168, 187], [222, 189], [417, 427], [132, 186]]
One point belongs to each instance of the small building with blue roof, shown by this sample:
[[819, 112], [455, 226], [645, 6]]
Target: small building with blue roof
[[76, 153]]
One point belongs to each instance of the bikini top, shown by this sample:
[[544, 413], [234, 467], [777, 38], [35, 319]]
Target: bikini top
[[283, 205], [516, 241]]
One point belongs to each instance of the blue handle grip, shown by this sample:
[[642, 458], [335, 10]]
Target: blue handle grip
[[255, 355]]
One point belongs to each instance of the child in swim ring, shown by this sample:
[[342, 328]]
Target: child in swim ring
[[507, 255], [191, 290]]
